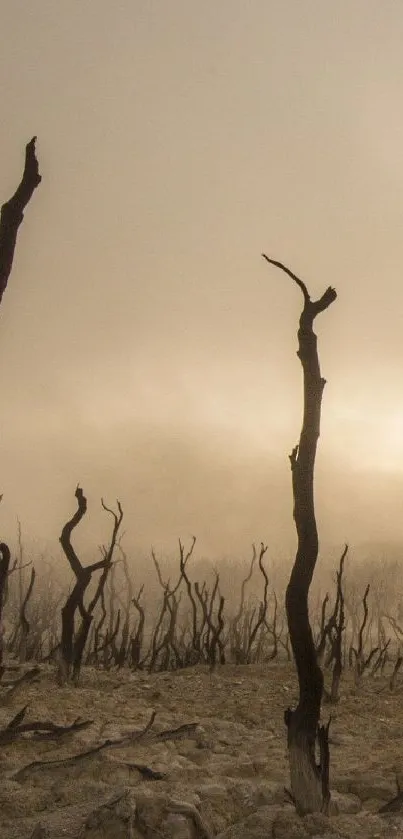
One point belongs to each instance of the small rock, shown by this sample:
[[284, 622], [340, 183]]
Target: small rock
[[258, 825], [179, 827], [344, 803]]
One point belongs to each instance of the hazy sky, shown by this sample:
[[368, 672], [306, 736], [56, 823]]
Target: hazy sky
[[147, 351]]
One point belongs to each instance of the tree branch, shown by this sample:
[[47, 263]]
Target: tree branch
[[293, 276], [311, 307], [12, 213], [68, 528]]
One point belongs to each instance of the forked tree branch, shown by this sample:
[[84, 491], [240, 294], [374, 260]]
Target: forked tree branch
[[291, 274], [311, 307], [68, 528]]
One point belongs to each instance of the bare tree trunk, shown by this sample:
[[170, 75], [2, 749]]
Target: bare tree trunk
[[25, 625], [4, 566], [309, 780], [11, 216], [12, 213], [339, 627], [73, 641]]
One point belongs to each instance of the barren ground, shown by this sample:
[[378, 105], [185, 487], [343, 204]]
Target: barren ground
[[232, 765]]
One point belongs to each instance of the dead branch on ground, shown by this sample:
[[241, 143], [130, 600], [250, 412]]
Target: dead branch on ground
[[44, 729]]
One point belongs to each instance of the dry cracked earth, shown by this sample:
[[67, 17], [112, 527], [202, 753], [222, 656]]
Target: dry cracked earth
[[212, 764]]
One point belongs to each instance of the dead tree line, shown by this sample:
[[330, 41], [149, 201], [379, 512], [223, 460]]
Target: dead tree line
[[104, 620], [191, 624]]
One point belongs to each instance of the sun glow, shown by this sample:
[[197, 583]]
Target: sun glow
[[368, 441]]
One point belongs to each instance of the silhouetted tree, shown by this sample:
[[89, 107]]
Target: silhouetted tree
[[12, 213], [4, 567], [309, 779], [11, 216], [73, 639]]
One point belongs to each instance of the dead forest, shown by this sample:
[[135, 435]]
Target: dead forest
[[110, 628]]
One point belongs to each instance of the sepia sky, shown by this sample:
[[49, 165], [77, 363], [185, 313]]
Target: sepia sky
[[147, 351]]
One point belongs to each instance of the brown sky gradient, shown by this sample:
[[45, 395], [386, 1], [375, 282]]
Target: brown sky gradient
[[146, 349]]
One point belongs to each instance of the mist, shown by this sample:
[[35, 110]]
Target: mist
[[148, 353]]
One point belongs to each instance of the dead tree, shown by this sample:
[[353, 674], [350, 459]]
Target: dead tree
[[163, 645], [124, 642], [137, 638], [332, 634], [25, 625], [309, 780], [238, 640], [376, 655], [4, 566], [73, 641], [12, 214], [338, 628], [324, 629], [212, 644], [245, 628]]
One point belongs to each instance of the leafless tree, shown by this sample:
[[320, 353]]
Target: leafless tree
[[73, 640], [11, 216], [309, 780]]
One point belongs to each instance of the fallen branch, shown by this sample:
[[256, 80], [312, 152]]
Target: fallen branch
[[46, 729], [145, 771], [27, 677], [180, 733], [63, 763]]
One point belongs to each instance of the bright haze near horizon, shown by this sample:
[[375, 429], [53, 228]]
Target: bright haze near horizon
[[147, 350]]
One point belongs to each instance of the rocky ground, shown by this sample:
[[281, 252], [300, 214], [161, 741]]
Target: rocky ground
[[214, 754]]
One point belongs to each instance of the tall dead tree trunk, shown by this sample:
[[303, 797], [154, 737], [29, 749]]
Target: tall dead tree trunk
[[11, 216], [309, 779]]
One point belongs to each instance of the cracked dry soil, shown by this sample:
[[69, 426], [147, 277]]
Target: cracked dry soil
[[232, 766]]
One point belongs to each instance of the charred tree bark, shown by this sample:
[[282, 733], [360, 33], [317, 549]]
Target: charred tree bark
[[11, 216], [339, 626], [309, 779], [12, 213], [5, 557], [25, 625], [73, 642]]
